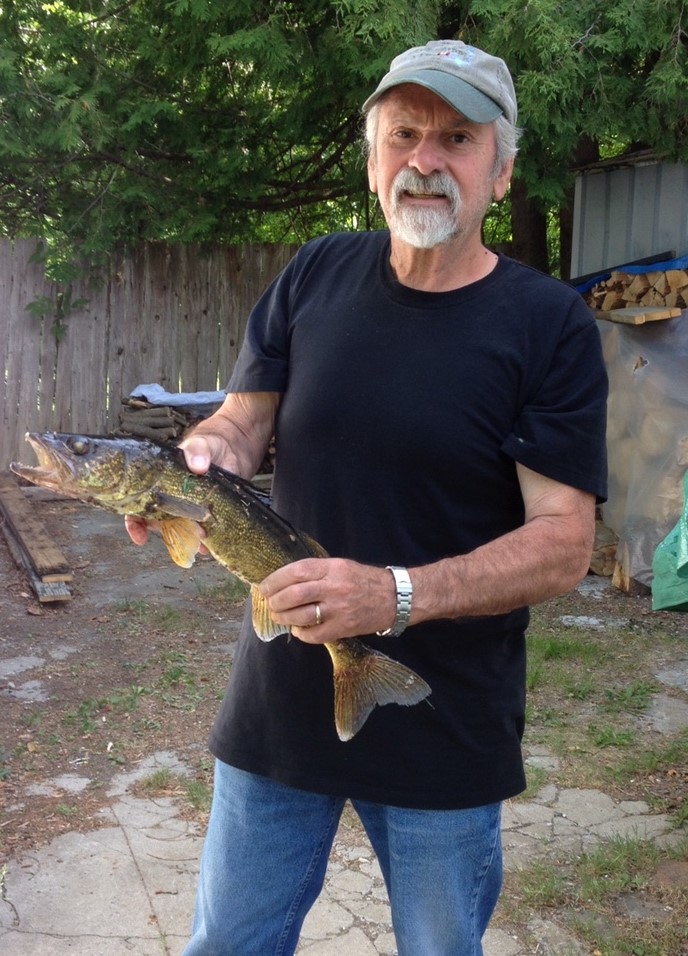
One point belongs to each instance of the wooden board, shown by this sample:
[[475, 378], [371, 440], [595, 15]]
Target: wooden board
[[639, 315], [45, 592], [46, 559]]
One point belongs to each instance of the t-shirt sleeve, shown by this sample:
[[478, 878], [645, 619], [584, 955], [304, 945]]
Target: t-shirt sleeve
[[560, 431]]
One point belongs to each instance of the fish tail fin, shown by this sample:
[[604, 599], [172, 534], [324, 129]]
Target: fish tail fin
[[366, 679], [263, 624]]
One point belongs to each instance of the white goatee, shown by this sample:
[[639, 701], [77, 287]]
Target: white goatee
[[419, 227]]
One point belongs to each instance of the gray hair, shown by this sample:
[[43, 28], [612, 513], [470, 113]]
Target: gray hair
[[506, 134]]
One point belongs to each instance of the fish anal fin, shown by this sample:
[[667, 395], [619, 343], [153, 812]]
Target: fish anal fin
[[263, 624], [368, 678], [182, 538]]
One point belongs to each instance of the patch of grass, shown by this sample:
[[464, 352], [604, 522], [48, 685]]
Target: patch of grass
[[536, 778], [135, 608], [632, 698], [90, 713], [4, 759], [198, 795], [586, 891], [161, 779], [673, 755], [65, 810], [608, 736], [680, 818], [232, 591]]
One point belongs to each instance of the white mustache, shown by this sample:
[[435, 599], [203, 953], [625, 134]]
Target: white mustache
[[436, 184]]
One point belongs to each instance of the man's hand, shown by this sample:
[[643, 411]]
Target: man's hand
[[352, 598], [198, 452]]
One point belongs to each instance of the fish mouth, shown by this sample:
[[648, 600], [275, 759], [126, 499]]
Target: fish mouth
[[53, 471]]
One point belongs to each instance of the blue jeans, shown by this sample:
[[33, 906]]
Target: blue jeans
[[266, 853]]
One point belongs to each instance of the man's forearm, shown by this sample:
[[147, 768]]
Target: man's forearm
[[529, 565]]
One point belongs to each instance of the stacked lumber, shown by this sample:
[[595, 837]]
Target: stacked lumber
[[30, 544], [648, 289]]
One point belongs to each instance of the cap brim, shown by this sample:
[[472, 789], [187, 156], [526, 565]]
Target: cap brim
[[457, 93]]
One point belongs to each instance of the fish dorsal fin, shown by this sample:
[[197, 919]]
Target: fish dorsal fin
[[180, 507], [183, 538], [263, 624], [313, 545]]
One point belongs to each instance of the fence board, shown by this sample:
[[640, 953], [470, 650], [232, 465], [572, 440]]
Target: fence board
[[174, 315]]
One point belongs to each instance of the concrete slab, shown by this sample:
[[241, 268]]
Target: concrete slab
[[129, 887]]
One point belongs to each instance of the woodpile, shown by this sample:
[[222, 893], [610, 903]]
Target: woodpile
[[652, 289], [162, 423], [159, 422]]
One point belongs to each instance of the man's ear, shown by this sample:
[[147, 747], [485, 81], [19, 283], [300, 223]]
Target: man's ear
[[501, 183]]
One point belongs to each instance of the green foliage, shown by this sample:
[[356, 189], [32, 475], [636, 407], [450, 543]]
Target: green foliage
[[194, 120], [615, 72], [201, 120]]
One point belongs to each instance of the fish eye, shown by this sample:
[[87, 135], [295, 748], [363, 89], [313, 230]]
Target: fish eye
[[78, 445]]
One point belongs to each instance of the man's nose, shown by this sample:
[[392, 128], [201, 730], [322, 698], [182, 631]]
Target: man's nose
[[427, 158]]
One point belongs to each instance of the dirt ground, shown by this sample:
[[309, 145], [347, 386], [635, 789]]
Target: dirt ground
[[137, 661], [134, 663]]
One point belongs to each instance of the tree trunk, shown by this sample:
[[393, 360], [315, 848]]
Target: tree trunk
[[587, 151], [528, 228]]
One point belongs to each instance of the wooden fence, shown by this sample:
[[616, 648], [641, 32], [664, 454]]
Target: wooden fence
[[173, 315]]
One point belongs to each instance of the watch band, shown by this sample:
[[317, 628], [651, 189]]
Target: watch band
[[404, 602]]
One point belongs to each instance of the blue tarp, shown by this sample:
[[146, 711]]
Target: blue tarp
[[200, 403], [665, 266]]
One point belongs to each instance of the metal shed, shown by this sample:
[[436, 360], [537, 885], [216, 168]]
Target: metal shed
[[628, 208]]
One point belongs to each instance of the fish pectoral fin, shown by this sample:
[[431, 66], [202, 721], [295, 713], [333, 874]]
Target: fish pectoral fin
[[366, 679], [182, 538], [181, 508], [263, 624]]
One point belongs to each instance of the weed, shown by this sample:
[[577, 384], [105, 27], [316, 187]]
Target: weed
[[86, 714], [160, 779], [65, 810], [198, 795], [645, 762], [680, 818], [135, 608], [536, 778], [610, 737], [633, 698]]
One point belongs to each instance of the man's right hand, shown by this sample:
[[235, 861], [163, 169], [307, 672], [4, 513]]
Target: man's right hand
[[235, 438], [199, 452]]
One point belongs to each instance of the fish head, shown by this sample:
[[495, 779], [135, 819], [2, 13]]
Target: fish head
[[110, 472]]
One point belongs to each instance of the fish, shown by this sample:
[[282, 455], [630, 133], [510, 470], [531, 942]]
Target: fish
[[232, 519]]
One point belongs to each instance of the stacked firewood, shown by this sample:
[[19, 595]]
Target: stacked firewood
[[652, 289], [159, 422], [162, 423]]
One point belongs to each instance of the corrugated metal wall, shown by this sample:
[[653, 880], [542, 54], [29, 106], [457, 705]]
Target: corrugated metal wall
[[627, 213]]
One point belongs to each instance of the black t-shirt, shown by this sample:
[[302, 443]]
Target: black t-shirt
[[403, 415]]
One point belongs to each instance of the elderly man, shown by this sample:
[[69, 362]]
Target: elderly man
[[439, 414]]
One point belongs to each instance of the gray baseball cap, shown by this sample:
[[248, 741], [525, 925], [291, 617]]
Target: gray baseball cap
[[472, 82]]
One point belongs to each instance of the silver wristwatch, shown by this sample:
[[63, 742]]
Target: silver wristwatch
[[404, 602]]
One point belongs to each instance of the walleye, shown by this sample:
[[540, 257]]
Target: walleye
[[139, 477]]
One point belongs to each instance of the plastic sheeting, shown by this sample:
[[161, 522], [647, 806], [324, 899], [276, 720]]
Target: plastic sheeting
[[647, 436], [200, 403]]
